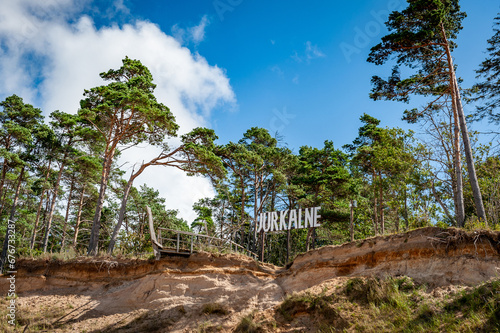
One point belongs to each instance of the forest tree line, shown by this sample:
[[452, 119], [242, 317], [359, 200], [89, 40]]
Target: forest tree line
[[61, 183]]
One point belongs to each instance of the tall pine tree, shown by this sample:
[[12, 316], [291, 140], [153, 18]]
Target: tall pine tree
[[126, 113], [421, 39]]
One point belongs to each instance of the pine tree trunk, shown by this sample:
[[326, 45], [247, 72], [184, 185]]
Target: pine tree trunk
[[476, 191], [45, 211], [142, 223], [375, 206], [48, 223], [53, 205], [308, 239], [63, 242], [262, 244], [37, 220], [314, 238], [381, 205], [457, 165], [242, 217], [96, 223], [255, 208], [351, 221], [78, 217], [121, 215], [407, 222]]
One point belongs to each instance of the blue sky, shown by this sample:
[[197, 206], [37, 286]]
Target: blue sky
[[292, 66], [268, 51]]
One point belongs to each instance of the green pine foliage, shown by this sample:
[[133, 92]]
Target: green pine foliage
[[488, 91]]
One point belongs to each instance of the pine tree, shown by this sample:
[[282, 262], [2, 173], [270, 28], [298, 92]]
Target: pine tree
[[421, 39], [126, 113], [18, 122]]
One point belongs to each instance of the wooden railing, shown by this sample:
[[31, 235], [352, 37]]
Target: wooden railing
[[170, 241], [183, 241]]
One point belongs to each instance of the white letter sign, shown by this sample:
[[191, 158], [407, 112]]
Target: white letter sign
[[277, 221]]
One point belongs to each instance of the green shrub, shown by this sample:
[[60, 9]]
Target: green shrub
[[215, 308], [248, 325]]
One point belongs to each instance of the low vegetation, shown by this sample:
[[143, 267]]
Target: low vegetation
[[248, 325], [215, 308], [45, 320], [386, 305], [60, 318]]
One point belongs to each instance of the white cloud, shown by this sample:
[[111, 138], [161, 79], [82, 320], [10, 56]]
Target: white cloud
[[198, 32], [311, 52], [194, 34], [296, 79], [67, 58], [119, 6], [178, 33]]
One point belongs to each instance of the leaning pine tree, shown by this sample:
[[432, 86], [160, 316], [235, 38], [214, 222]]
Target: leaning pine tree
[[421, 39], [195, 155], [125, 113]]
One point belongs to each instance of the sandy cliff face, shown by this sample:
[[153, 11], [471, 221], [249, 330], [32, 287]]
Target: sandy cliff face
[[98, 294], [431, 255], [101, 294]]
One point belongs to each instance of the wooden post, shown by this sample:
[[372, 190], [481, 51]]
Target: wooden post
[[178, 239], [287, 245], [314, 238], [263, 237], [192, 243]]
